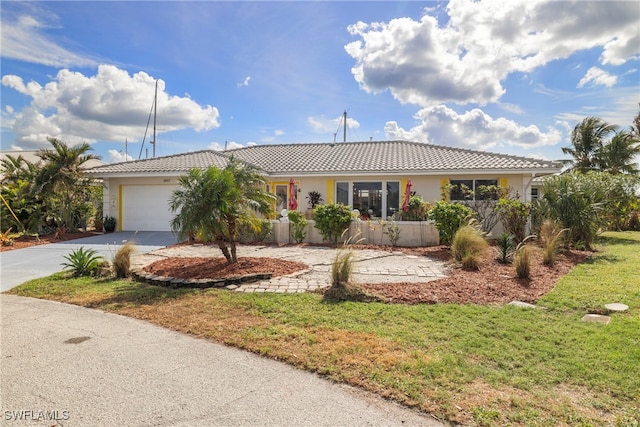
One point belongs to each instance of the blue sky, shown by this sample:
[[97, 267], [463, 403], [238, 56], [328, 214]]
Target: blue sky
[[510, 77]]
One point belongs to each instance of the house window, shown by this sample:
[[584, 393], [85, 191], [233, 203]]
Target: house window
[[281, 197], [342, 193], [470, 189], [367, 198], [534, 194], [393, 198]]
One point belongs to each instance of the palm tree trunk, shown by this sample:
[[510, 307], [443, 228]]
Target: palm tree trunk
[[225, 251]]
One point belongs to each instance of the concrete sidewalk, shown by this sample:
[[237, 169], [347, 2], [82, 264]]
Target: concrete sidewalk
[[87, 367]]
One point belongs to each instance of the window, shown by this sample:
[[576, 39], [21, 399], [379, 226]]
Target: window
[[393, 198], [342, 193], [534, 194], [367, 198], [469, 189]]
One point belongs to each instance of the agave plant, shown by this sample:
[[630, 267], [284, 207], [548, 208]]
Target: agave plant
[[83, 262]]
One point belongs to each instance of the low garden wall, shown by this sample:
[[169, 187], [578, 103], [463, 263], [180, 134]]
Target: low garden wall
[[411, 233]]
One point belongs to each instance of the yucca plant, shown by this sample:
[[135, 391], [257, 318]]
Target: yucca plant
[[467, 247], [83, 262], [505, 246]]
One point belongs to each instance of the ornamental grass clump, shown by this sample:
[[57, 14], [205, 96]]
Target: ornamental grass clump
[[552, 238], [467, 247], [122, 260], [522, 262]]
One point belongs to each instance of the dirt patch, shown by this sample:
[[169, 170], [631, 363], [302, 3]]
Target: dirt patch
[[28, 241]]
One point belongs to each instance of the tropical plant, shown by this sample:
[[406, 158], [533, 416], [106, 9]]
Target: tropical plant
[[255, 229], [109, 223], [122, 260], [619, 155], [417, 209], [587, 139], [299, 223], [314, 198], [60, 179], [20, 209], [214, 202], [467, 247], [505, 246], [448, 218], [332, 220], [7, 238], [83, 262], [514, 215]]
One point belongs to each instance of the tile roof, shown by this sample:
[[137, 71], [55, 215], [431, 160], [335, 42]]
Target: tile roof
[[177, 163], [341, 158]]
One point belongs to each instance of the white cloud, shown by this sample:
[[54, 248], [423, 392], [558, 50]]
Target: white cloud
[[229, 145], [24, 38], [466, 60], [245, 82], [109, 106], [597, 76], [116, 156], [324, 125], [474, 129]]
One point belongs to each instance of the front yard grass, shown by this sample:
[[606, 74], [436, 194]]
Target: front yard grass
[[471, 364]]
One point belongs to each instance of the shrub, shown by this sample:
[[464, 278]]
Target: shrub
[[448, 218], [391, 229], [314, 198], [122, 260], [83, 262], [514, 215], [332, 220], [522, 262], [299, 223], [467, 247], [417, 209], [505, 245]]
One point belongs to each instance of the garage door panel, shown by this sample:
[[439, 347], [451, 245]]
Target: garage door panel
[[146, 207]]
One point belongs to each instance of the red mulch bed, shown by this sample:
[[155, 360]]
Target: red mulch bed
[[27, 241]]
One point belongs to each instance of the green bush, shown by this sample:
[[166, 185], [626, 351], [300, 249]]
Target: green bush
[[109, 224], [505, 246], [467, 247], [417, 209], [299, 225], [83, 262], [448, 218], [391, 229], [332, 220], [514, 215]]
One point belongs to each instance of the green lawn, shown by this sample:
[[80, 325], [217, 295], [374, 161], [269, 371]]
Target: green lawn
[[486, 365]]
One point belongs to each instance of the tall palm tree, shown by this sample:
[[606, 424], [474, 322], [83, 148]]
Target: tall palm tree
[[211, 203], [619, 154], [586, 140], [60, 177]]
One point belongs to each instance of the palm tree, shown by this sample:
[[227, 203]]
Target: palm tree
[[60, 177], [586, 140], [618, 155], [211, 203]]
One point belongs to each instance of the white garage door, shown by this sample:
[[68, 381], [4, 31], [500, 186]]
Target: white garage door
[[146, 207]]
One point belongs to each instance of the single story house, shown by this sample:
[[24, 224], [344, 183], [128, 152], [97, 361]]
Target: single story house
[[369, 176]]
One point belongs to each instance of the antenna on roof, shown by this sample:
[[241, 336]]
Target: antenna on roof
[[343, 122], [225, 145]]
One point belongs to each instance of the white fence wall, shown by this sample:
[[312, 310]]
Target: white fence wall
[[412, 233]]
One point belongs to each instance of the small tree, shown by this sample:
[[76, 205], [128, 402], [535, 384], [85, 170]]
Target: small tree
[[332, 220], [449, 217], [299, 225], [417, 209]]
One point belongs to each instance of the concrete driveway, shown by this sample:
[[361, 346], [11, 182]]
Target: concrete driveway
[[20, 265]]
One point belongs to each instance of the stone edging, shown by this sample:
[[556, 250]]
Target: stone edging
[[175, 282]]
